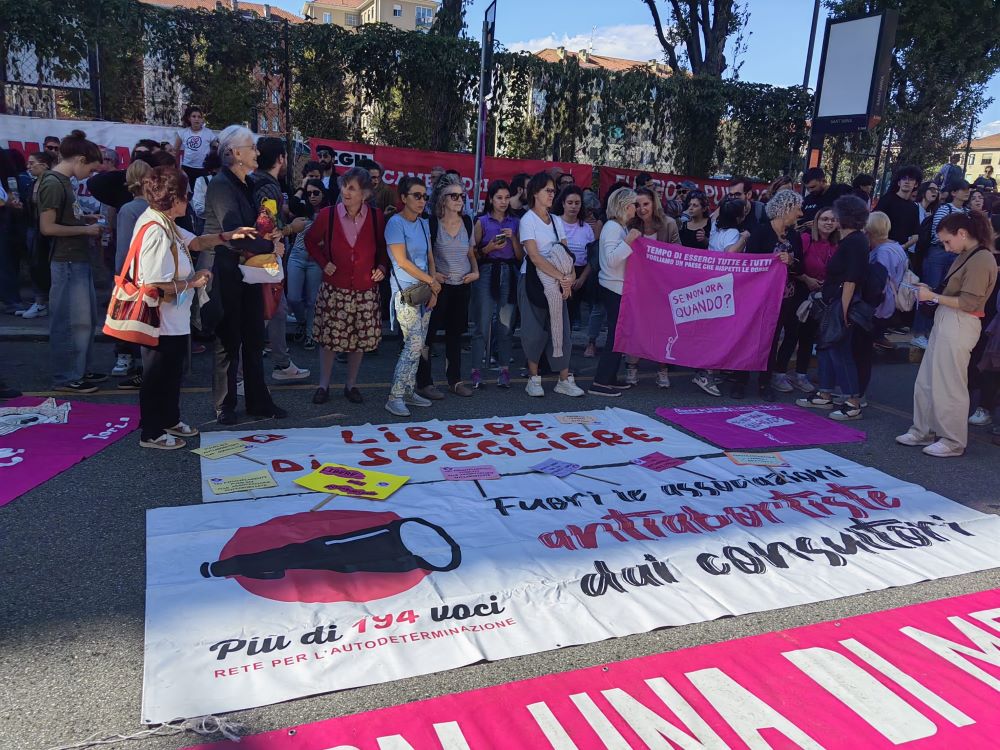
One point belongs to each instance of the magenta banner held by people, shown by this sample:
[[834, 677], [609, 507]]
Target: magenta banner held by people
[[699, 308]]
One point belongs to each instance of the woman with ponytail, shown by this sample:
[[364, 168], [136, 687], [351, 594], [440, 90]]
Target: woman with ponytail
[[941, 395]]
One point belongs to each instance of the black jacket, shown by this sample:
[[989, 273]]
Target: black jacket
[[229, 205]]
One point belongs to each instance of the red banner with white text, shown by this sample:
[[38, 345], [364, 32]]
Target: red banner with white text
[[668, 184], [398, 163]]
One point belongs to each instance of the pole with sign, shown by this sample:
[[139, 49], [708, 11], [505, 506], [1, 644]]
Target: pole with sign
[[485, 90]]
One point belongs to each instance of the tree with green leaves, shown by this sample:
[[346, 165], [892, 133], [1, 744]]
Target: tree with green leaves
[[702, 27], [946, 52], [450, 18]]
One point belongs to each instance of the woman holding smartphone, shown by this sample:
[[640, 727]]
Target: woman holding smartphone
[[499, 252]]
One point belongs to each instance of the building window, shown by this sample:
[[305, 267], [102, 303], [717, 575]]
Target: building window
[[275, 97], [987, 160], [424, 16], [397, 11], [263, 124], [327, 18], [352, 19], [275, 126], [972, 158]]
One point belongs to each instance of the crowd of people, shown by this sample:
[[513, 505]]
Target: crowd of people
[[189, 217]]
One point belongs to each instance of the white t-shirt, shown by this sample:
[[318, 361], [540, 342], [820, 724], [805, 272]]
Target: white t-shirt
[[578, 237], [720, 239], [545, 235], [156, 266], [195, 146]]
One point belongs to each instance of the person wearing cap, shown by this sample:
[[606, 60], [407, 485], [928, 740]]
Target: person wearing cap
[[937, 261]]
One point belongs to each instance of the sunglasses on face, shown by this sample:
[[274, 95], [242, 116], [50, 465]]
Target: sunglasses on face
[[51, 148], [313, 193], [455, 196], [550, 191], [418, 196]]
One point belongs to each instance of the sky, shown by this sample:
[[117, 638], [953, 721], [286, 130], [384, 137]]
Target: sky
[[777, 43]]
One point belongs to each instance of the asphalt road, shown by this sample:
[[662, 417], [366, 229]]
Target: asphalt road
[[72, 553]]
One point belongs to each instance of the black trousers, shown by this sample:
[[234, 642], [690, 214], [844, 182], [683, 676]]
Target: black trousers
[[863, 351], [240, 329], [451, 315], [160, 394], [987, 383], [610, 361]]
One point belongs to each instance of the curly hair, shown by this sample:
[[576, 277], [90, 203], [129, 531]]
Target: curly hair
[[163, 187], [782, 202]]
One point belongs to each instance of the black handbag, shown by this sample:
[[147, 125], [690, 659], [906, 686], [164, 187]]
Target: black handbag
[[532, 281], [832, 327]]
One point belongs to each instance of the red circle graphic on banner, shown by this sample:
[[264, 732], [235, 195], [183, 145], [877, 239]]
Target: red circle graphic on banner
[[311, 586]]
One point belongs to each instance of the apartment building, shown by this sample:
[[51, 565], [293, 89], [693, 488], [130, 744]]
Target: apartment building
[[408, 15]]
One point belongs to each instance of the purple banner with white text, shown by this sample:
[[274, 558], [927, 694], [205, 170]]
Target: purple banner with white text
[[699, 308]]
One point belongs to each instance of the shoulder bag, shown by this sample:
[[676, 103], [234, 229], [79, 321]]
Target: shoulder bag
[[133, 313], [419, 293], [532, 281]]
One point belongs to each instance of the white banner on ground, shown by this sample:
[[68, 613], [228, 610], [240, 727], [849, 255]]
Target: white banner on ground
[[250, 603], [607, 439]]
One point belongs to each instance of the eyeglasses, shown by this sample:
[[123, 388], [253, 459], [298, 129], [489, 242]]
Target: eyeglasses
[[455, 196], [417, 196], [550, 191], [313, 192], [51, 148]]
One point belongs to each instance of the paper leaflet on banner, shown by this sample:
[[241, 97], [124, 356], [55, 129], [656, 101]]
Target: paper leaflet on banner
[[337, 479], [605, 438], [14, 418], [445, 578]]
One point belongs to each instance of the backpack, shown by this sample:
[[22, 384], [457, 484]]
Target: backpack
[[873, 287], [433, 221]]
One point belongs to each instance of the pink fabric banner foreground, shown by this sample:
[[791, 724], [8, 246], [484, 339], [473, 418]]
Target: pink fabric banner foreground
[[760, 426], [925, 674], [35, 445], [699, 308]]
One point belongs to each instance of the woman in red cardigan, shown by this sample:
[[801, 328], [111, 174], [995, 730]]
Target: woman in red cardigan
[[348, 242]]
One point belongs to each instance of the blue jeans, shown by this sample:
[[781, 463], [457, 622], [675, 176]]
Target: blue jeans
[[837, 368], [304, 278], [73, 321], [935, 268], [595, 319], [482, 310]]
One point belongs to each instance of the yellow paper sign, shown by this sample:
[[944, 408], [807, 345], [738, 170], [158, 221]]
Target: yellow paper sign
[[336, 479], [223, 449], [255, 480]]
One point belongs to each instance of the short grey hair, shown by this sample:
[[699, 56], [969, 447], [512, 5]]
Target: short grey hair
[[782, 202], [230, 135], [358, 175], [618, 201], [439, 197]]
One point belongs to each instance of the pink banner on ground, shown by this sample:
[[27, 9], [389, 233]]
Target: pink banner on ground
[[699, 308], [36, 452], [760, 426], [924, 676]]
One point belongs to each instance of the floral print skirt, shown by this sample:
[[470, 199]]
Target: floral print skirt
[[348, 320]]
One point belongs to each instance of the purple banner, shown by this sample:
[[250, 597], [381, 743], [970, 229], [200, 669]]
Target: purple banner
[[760, 426], [699, 308]]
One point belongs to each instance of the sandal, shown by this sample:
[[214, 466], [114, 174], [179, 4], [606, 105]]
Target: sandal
[[182, 430], [164, 442], [816, 402]]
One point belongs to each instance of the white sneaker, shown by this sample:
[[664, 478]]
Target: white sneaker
[[35, 311], [802, 382], [415, 399], [632, 374], [239, 388], [568, 387], [920, 342], [706, 384], [397, 407], [123, 363], [780, 382], [981, 418], [534, 386], [292, 372], [662, 379], [908, 438], [940, 449]]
